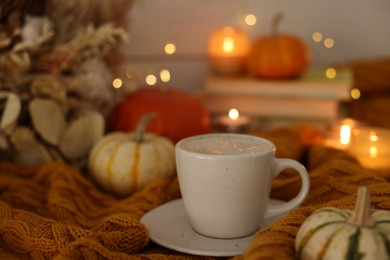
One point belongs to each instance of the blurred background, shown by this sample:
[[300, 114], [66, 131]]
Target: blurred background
[[359, 30]]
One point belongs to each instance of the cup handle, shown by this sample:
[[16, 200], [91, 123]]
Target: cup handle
[[281, 164]]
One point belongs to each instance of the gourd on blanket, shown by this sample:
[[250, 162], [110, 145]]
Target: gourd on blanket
[[331, 233], [125, 162]]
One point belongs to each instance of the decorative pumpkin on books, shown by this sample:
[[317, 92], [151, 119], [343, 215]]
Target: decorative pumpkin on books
[[331, 233], [123, 163], [278, 55], [178, 114]]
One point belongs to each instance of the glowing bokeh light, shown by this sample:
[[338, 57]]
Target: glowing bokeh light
[[165, 75], [373, 137], [328, 43], [345, 134], [373, 151], [228, 44], [170, 48], [355, 93], [250, 19], [317, 37], [330, 73], [117, 83], [151, 80], [233, 114]]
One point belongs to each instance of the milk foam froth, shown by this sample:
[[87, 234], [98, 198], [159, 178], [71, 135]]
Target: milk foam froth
[[225, 145]]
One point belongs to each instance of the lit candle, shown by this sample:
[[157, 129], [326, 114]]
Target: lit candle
[[339, 135], [233, 122], [371, 146], [228, 48]]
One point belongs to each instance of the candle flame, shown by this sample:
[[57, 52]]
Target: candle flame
[[233, 114], [228, 44], [345, 134]]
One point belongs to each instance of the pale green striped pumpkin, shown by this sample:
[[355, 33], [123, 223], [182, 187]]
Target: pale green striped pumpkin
[[331, 233], [123, 163]]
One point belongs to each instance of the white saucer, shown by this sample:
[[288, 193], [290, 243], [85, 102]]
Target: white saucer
[[169, 227]]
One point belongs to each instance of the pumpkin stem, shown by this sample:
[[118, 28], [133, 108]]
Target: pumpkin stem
[[141, 125], [361, 215], [275, 23]]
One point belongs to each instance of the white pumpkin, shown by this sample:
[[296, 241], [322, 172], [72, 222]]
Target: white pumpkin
[[331, 233], [125, 162]]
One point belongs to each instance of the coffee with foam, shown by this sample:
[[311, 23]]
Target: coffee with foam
[[226, 144], [225, 181]]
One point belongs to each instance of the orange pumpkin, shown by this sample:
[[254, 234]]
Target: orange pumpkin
[[178, 114], [278, 56]]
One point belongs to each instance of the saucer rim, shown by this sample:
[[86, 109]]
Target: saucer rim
[[177, 204]]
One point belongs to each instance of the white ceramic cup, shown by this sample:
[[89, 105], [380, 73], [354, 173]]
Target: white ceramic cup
[[225, 182]]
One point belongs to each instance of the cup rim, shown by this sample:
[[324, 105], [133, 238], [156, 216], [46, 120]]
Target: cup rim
[[271, 148]]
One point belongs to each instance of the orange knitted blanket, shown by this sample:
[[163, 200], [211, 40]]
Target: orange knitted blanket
[[54, 212]]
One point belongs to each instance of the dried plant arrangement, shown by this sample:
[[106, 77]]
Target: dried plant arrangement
[[55, 79]]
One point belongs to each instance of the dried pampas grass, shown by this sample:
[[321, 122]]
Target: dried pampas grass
[[69, 15]]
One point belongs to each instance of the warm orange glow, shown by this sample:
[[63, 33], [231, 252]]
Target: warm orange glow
[[330, 73], [345, 134], [328, 43], [317, 36], [228, 42], [117, 83], [373, 136], [355, 93], [170, 48], [151, 80], [250, 19], [371, 146], [165, 75], [234, 114], [373, 151]]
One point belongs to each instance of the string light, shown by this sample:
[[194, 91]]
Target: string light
[[165, 75], [117, 83], [328, 43], [250, 19], [317, 36], [355, 93], [151, 79], [228, 45], [170, 48], [330, 73]]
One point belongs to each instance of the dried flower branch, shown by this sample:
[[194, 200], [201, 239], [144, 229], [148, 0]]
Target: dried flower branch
[[89, 43], [55, 65]]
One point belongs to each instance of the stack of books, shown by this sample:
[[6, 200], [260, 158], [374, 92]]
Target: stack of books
[[311, 97]]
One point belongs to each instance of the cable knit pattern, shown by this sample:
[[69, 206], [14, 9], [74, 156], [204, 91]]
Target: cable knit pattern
[[51, 211], [334, 178]]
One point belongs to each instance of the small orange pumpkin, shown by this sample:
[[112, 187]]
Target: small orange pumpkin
[[178, 113], [278, 56]]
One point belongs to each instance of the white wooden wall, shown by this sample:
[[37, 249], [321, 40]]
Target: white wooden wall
[[360, 29]]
